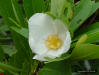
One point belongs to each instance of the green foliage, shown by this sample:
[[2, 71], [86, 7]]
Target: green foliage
[[85, 51], [82, 11], [63, 57], [88, 28], [93, 36], [21, 44], [22, 31], [18, 13], [62, 9], [9, 68], [82, 40], [15, 53], [56, 68], [92, 32], [8, 50], [35, 6], [1, 54], [28, 8]]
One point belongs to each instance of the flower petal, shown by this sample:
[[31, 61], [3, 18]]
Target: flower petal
[[40, 26], [64, 34], [39, 57], [53, 54], [64, 49]]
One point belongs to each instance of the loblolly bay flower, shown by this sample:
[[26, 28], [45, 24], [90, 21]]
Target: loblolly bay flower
[[48, 37]]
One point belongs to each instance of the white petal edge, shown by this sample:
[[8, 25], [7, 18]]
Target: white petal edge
[[39, 57], [64, 49], [53, 54], [39, 49], [66, 44], [39, 28]]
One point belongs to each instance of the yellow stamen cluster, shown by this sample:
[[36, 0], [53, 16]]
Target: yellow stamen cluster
[[53, 42]]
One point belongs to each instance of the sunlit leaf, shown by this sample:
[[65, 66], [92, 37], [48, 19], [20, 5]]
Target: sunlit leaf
[[85, 51], [92, 31], [20, 43], [21, 31]]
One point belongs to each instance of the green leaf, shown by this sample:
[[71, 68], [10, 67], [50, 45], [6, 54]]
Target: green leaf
[[26, 68], [82, 40], [63, 57], [56, 68], [71, 1], [5, 9], [88, 28], [21, 31], [38, 6], [93, 36], [92, 31], [15, 12], [80, 15], [47, 5], [23, 51], [85, 51], [3, 29], [18, 13], [20, 43], [9, 50], [28, 8], [1, 71], [94, 7], [34, 66], [61, 9], [9, 68], [1, 54], [33, 6]]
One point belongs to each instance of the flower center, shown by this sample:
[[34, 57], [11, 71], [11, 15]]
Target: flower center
[[53, 42]]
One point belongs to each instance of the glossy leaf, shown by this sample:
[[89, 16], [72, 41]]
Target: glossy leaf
[[93, 36], [21, 31], [82, 40], [94, 8], [92, 31], [85, 51]]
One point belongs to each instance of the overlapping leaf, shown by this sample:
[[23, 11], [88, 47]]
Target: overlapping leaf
[[83, 10], [56, 68], [85, 51], [92, 31], [62, 9]]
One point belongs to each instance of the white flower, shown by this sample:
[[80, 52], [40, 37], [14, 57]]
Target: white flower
[[48, 37]]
